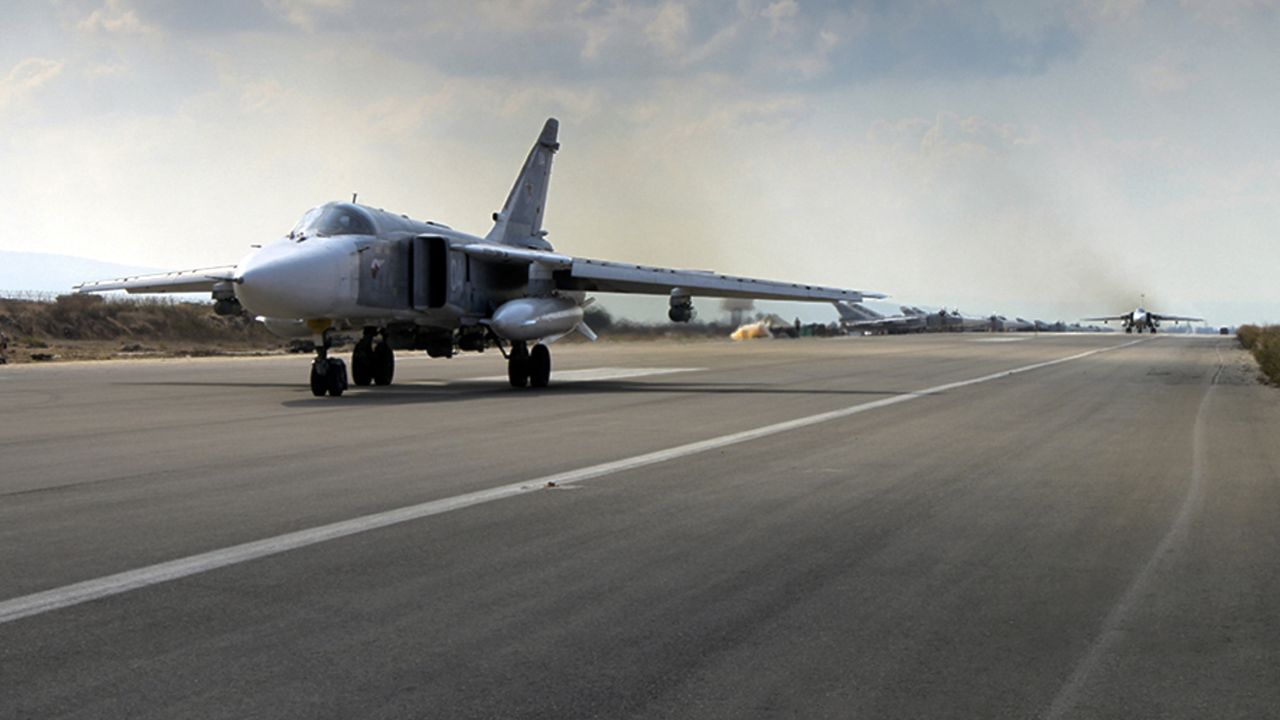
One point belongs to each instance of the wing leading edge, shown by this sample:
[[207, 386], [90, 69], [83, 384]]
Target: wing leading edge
[[586, 274], [180, 281]]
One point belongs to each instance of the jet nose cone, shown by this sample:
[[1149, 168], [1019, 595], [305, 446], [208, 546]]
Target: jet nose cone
[[289, 282]]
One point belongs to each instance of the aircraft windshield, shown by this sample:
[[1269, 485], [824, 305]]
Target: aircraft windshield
[[337, 219]]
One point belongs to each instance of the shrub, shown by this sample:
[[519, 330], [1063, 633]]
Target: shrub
[[1248, 335], [1267, 351]]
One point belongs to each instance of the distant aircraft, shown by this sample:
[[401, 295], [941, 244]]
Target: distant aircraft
[[1142, 319], [424, 286], [855, 316], [956, 321], [1000, 323]]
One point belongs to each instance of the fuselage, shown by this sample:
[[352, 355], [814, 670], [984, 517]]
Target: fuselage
[[353, 262], [1139, 319]]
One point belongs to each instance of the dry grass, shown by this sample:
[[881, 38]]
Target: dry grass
[[87, 326], [1264, 343]]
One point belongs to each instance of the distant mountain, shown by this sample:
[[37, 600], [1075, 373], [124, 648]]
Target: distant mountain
[[44, 272]]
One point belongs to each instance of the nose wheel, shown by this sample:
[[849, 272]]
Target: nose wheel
[[328, 375]]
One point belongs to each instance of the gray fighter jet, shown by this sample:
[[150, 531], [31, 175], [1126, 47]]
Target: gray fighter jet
[[1141, 319], [419, 285]]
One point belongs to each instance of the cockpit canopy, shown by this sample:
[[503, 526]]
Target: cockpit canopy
[[335, 219]]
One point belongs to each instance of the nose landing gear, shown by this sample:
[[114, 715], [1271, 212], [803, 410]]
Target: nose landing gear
[[328, 375]]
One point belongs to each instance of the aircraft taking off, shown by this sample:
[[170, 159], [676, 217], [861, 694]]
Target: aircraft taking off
[[424, 286], [1142, 319]]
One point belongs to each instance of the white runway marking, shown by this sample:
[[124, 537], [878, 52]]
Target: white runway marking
[[1000, 339], [88, 590], [602, 373]]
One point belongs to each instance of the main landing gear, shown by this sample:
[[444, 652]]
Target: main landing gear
[[529, 367], [373, 362], [328, 375]]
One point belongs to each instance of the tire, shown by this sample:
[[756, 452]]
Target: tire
[[539, 366], [336, 376], [319, 383], [518, 366], [362, 363], [383, 363]]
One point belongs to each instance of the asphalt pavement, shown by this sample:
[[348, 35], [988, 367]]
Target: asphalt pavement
[[969, 526]]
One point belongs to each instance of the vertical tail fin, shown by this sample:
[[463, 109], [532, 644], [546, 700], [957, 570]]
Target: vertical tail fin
[[855, 312], [519, 222]]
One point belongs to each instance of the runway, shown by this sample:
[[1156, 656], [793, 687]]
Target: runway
[[913, 526]]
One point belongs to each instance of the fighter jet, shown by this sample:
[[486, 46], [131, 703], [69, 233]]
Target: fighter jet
[[1141, 319], [1000, 323], [410, 284], [854, 316]]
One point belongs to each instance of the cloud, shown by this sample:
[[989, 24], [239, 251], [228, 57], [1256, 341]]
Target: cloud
[[115, 17], [867, 140], [669, 29], [305, 13], [950, 136], [1164, 75], [26, 77]]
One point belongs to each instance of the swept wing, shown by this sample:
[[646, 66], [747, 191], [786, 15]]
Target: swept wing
[[1175, 318], [586, 274], [181, 281]]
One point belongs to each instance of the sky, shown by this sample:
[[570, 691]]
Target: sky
[[1043, 159]]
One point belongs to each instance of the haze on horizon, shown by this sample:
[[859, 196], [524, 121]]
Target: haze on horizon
[[1052, 159]]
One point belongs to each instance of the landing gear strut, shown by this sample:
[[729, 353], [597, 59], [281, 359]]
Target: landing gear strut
[[328, 375], [370, 362]]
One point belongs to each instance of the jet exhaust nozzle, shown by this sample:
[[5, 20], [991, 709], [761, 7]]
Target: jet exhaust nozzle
[[529, 319]]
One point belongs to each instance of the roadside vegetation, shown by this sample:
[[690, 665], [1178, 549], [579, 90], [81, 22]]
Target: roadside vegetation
[[91, 327], [1264, 342]]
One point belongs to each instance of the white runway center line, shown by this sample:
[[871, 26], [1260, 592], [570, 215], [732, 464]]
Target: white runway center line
[[88, 590]]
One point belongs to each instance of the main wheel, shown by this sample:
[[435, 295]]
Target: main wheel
[[539, 366], [1128, 330], [518, 365], [363, 362], [383, 363], [336, 376]]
